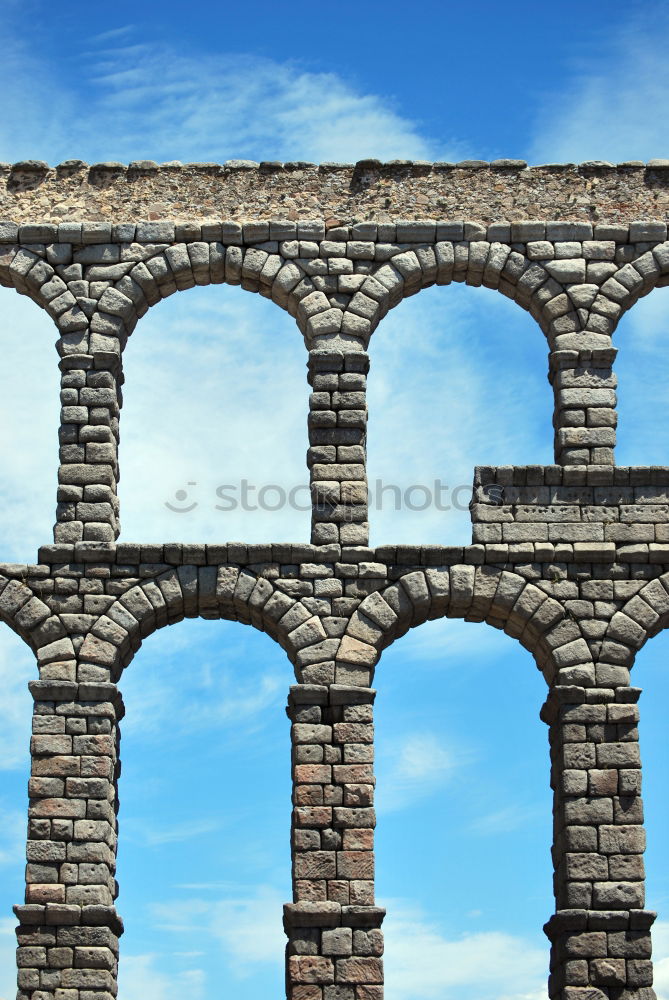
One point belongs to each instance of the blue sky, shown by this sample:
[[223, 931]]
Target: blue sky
[[463, 797]]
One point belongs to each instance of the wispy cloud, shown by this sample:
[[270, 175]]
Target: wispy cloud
[[142, 977], [112, 35], [660, 934], [246, 926], [7, 958], [614, 104], [29, 414], [439, 644], [443, 399], [12, 835], [216, 695], [507, 819], [413, 768], [142, 99], [17, 667], [141, 831], [244, 105], [422, 963], [232, 366], [642, 367]]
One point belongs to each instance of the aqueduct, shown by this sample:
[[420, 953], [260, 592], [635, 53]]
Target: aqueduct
[[571, 559]]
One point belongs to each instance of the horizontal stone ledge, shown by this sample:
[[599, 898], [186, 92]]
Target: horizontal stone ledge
[[70, 691], [572, 694], [183, 554], [56, 914], [641, 920], [345, 694], [641, 477], [362, 916], [355, 240], [574, 921], [232, 165], [608, 920], [53, 690], [102, 916], [308, 694], [328, 914], [312, 914], [30, 913]]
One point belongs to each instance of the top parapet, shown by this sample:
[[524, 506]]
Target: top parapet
[[366, 191]]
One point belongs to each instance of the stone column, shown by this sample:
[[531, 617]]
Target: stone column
[[88, 475], [585, 415], [334, 938], [600, 932], [337, 453], [68, 927]]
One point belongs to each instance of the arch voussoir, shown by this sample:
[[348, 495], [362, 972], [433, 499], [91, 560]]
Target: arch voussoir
[[225, 592], [641, 618], [488, 594], [28, 616]]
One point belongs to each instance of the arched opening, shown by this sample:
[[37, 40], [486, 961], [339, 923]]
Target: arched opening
[[204, 821], [29, 416], [214, 422], [17, 667], [464, 815], [642, 369], [457, 379], [650, 674]]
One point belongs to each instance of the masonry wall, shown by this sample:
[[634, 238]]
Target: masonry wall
[[571, 559], [368, 190]]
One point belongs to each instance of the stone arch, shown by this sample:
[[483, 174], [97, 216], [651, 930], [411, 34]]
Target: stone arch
[[228, 592], [497, 266], [501, 598], [640, 618], [164, 270]]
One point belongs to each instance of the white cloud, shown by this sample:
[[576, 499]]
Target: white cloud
[[507, 819], [232, 105], [247, 926], [217, 693], [442, 399], [17, 667], [12, 836], [29, 415], [413, 768], [177, 833], [439, 643], [7, 958], [153, 100], [249, 929], [141, 978], [642, 367], [614, 103], [421, 963], [232, 367], [660, 935]]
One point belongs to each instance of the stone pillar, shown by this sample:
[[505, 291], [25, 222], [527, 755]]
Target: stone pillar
[[88, 475], [600, 932], [585, 415], [68, 927], [333, 927], [337, 453]]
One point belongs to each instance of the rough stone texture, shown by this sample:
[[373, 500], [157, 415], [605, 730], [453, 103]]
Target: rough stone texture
[[367, 190], [570, 559]]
